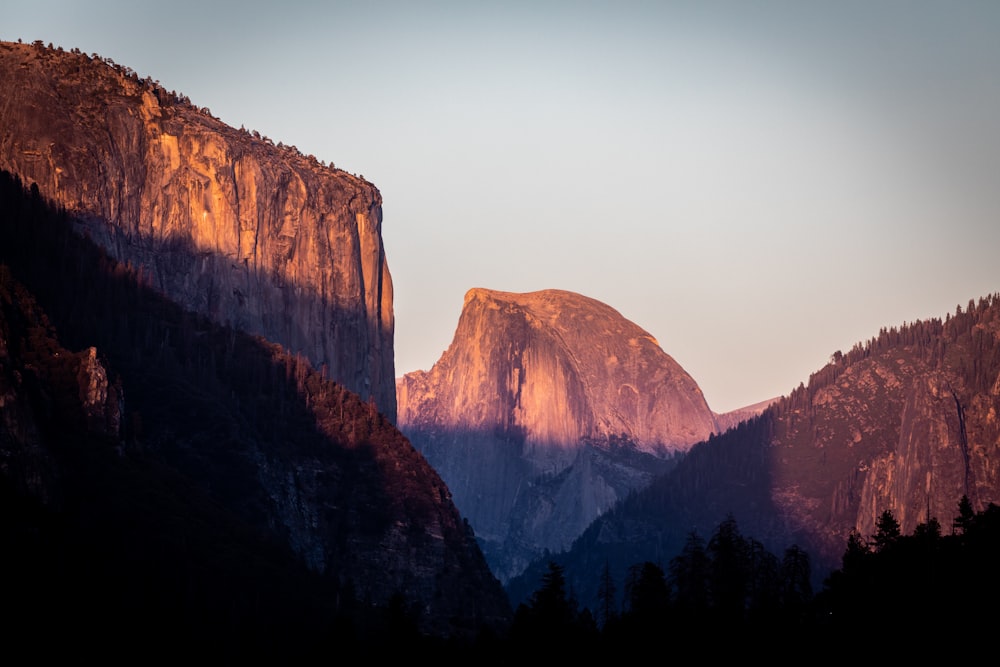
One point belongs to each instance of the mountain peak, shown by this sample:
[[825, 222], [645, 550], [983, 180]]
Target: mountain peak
[[566, 368], [546, 408], [555, 306]]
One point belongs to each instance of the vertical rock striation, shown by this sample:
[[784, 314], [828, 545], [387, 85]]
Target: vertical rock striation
[[546, 409], [220, 220]]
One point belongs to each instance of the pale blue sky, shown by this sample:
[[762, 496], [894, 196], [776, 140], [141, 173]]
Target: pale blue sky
[[757, 184]]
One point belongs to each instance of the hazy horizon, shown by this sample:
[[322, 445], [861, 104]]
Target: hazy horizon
[[757, 185]]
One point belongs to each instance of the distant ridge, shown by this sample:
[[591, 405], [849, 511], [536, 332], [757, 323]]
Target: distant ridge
[[728, 420]]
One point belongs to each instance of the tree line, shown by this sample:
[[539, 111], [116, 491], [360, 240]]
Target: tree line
[[733, 587]]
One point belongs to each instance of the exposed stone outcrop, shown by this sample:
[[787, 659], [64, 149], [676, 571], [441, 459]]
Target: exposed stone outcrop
[[55, 386], [221, 220], [102, 401], [546, 409], [903, 428], [932, 464]]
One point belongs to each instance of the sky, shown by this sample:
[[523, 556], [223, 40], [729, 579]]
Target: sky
[[756, 184]]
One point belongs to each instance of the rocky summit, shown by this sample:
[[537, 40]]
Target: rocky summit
[[546, 409]]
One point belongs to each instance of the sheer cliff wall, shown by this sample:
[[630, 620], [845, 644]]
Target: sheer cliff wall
[[221, 220]]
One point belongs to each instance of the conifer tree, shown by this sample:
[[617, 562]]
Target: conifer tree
[[965, 516], [689, 575], [606, 595], [887, 531]]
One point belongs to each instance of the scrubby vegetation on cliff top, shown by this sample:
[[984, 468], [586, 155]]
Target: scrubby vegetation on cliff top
[[77, 64]]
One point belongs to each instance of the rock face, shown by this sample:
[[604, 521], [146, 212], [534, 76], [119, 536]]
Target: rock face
[[906, 422], [546, 409], [221, 220]]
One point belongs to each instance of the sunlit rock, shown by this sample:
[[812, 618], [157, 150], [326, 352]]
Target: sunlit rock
[[221, 220], [546, 409]]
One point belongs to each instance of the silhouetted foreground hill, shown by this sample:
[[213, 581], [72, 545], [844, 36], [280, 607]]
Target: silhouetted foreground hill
[[171, 481]]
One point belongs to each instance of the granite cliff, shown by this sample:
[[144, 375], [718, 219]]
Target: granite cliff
[[220, 220], [546, 409]]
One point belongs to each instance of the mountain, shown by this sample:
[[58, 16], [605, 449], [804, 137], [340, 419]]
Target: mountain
[[153, 442], [905, 422], [731, 419], [223, 221], [546, 409]]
